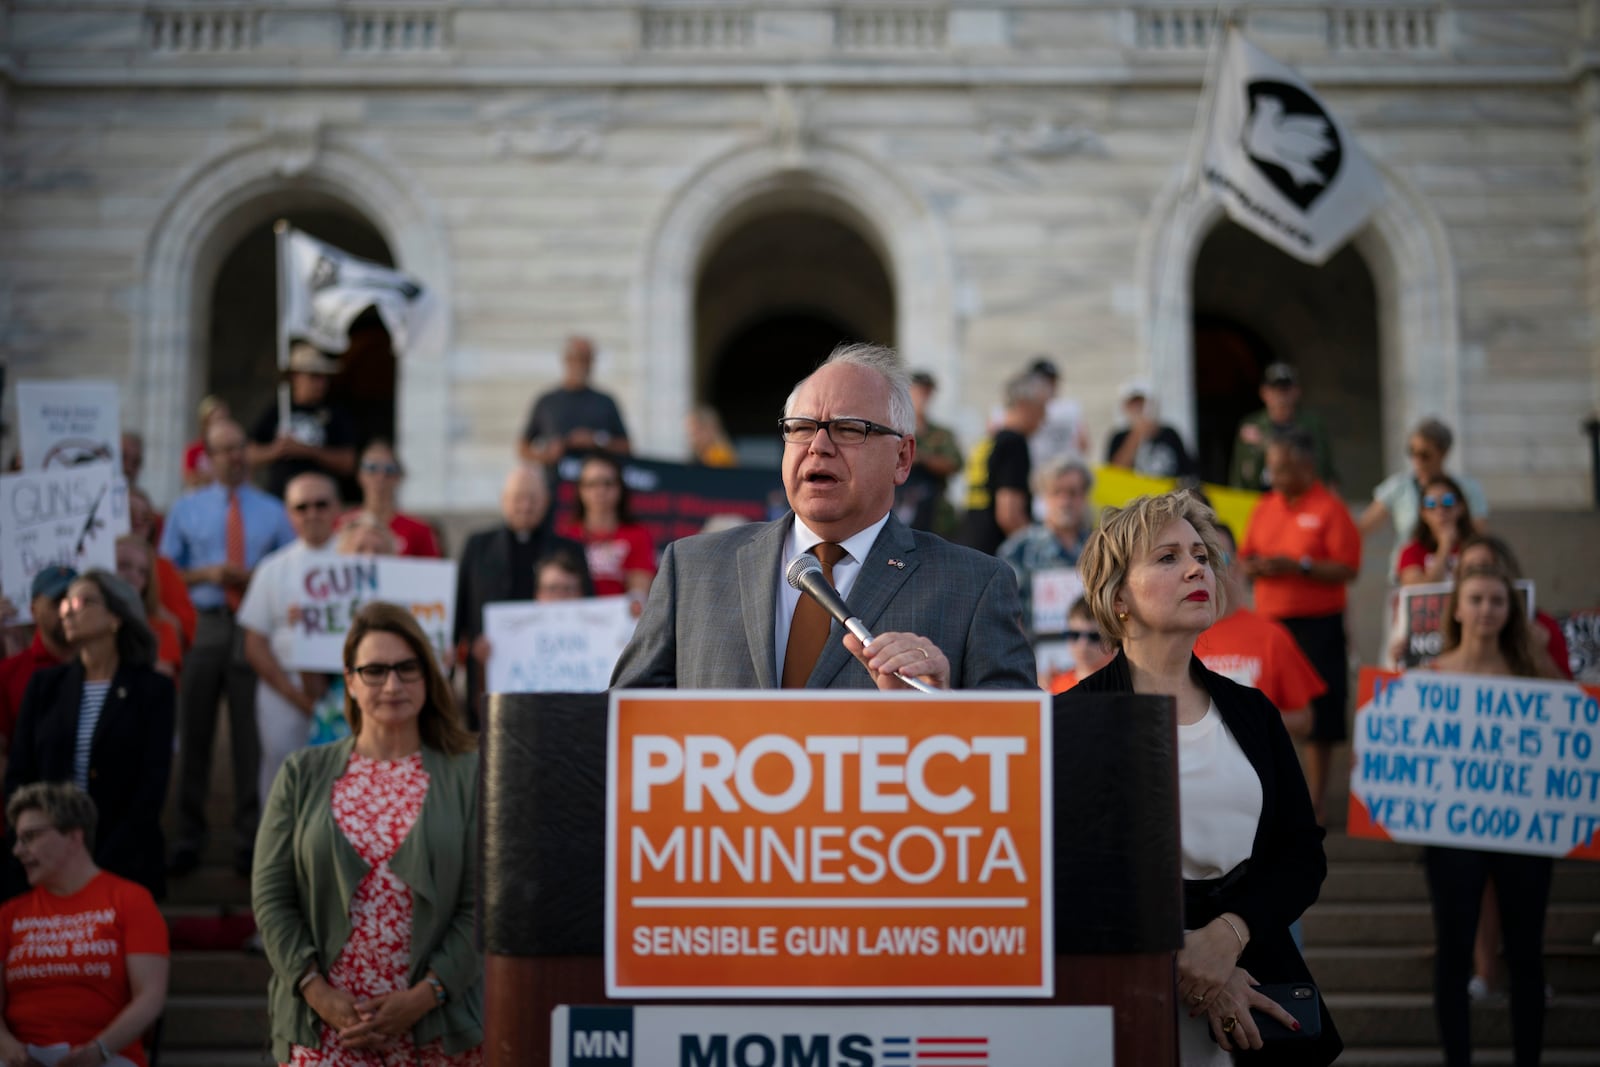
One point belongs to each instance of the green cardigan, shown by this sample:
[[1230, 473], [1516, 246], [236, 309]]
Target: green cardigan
[[306, 874]]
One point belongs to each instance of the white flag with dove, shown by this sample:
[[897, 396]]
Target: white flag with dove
[[325, 289], [1284, 166]]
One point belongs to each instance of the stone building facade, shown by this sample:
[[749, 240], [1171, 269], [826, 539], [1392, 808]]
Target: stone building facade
[[713, 189]]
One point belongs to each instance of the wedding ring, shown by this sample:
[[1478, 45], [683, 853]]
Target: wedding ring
[[1228, 1024], [924, 652], [1197, 998]]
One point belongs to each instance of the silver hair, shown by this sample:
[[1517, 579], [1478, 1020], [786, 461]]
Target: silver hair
[[1027, 386], [1054, 468], [883, 360], [1435, 432]]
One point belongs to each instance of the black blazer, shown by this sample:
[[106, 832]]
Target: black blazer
[[1287, 863], [484, 577], [130, 760]]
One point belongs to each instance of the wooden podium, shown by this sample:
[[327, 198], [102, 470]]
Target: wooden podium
[[1118, 896]]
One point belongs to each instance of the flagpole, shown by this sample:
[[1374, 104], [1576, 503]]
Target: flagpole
[[1208, 90], [280, 232]]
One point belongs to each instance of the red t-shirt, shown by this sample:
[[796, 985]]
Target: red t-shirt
[[173, 592], [1258, 652], [1414, 555], [14, 674], [66, 959], [612, 556], [412, 537], [1317, 525], [169, 646], [195, 458]]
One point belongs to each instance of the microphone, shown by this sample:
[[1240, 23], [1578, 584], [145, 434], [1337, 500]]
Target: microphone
[[805, 574]]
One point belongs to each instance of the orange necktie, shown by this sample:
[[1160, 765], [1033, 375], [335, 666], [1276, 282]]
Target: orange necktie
[[234, 545], [808, 631]]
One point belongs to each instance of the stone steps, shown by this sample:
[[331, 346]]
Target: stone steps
[[1411, 923], [1359, 881], [1402, 1020], [1409, 968]]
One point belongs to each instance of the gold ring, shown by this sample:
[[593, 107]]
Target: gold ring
[[1197, 998], [1228, 1024], [924, 652]]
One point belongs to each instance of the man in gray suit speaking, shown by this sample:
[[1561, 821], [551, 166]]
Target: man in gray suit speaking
[[722, 616]]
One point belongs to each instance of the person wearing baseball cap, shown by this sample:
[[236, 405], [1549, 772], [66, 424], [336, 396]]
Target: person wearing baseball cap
[[49, 647], [1144, 445], [320, 436], [938, 458], [1281, 413]]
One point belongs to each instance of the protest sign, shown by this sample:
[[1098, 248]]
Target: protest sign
[[1055, 590], [68, 424], [848, 845], [1501, 764], [1418, 620], [72, 516], [1582, 632], [565, 646], [331, 589], [1117, 486], [674, 500]]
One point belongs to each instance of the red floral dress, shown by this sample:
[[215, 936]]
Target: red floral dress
[[375, 804]]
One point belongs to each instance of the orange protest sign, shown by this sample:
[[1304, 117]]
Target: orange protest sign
[[862, 844]]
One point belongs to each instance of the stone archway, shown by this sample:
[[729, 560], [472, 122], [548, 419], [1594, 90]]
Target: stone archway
[[215, 205], [1413, 273], [810, 176]]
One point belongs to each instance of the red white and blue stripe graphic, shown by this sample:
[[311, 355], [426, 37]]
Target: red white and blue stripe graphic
[[935, 1052]]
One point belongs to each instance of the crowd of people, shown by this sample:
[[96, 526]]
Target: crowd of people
[[352, 788]]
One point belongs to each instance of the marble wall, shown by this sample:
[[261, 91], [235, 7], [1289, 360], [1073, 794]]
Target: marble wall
[[557, 166]]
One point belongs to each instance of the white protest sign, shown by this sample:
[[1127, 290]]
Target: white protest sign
[[68, 424], [1500, 764], [331, 589], [561, 646], [71, 517], [1055, 590]]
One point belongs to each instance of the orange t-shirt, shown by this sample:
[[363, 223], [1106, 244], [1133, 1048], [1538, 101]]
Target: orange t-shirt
[[169, 646], [66, 959], [1317, 525], [173, 593], [1259, 652]]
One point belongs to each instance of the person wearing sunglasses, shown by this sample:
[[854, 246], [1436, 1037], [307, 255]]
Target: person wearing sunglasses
[[1089, 647], [379, 474], [1443, 525], [1398, 498], [285, 698], [363, 887], [104, 721]]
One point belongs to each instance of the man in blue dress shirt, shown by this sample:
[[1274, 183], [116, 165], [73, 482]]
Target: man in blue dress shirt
[[216, 535]]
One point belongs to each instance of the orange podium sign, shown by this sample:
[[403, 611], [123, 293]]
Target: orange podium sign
[[858, 844]]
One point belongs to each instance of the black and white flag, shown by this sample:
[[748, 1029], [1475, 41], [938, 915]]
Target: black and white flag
[[325, 289], [1284, 166]]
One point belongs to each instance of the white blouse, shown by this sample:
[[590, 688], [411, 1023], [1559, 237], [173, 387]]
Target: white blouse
[[1219, 798]]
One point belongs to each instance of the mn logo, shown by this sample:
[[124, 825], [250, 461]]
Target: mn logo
[[600, 1037], [1292, 141]]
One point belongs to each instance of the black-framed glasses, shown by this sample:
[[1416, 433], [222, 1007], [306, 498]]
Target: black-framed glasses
[[1443, 500], [28, 837], [1083, 635], [391, 469], [310, 505], [377, 674], [799, 430]]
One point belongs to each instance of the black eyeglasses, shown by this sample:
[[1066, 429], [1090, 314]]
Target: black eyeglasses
[[391, 469], [1083, 635], [377, 674], [1443, 500], [797, 430], [310, 505]]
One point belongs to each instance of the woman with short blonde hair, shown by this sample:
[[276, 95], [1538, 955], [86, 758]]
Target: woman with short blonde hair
[[1252, 853]]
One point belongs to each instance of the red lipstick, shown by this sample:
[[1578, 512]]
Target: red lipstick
[[1200, 595]]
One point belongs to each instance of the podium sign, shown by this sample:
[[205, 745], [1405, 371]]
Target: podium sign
[[841, 845], [725, 1036]]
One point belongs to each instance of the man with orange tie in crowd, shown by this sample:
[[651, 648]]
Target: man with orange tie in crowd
[[721, 614], [216, 535]]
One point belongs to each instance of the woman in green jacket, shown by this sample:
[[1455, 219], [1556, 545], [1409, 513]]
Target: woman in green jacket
[[363, 885]]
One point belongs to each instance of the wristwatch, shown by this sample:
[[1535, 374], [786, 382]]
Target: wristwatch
[[1305, 565]]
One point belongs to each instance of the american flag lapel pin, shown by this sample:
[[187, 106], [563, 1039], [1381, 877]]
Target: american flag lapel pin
[[898, 564]]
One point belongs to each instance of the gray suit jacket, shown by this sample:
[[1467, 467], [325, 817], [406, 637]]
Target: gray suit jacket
[[709, 621]]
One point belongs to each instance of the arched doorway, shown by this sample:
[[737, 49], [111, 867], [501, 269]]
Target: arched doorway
[[775, 294], [241, 363], [1254, 305]]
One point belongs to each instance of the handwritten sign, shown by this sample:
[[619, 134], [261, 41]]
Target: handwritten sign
[[861, 845], [71, 517], [1501, 764], [566, 646], [331, 589], [68, 424], [1055, 590], [1418, 631]]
